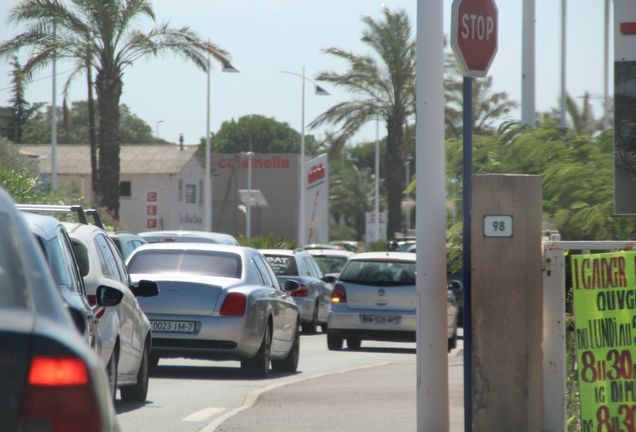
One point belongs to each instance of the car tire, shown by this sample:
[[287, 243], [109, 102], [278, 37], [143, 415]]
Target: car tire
[[258, 366], [354, 343], [452, 341], [111, 372], [154, 361], [309, 327], [289, 363], [139, 391], [334, 343]]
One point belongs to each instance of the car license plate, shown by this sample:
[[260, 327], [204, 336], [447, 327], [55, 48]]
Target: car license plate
[[173, 326], [380, 319]]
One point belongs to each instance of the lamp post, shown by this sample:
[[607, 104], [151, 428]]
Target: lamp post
[[301, 184], [157, 128], [376, 209], [207, 189], [248, 214], [54, 118]]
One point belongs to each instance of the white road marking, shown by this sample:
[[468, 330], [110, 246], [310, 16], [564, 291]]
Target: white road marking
[[251, 398], [203, 414]]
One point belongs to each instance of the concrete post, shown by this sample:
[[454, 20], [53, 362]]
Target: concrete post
[[507, 303]]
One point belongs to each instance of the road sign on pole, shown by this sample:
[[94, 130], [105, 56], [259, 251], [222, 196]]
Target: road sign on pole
[[474, 31]]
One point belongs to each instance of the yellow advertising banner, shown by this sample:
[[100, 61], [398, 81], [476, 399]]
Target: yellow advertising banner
[[604, 287]]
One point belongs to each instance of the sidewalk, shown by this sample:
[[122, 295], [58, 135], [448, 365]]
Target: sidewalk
[[378, 399]]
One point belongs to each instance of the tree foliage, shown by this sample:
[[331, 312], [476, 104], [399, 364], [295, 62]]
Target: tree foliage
[[577, 174], [102, 35], [259, 134], [382, 86], [73, 126]]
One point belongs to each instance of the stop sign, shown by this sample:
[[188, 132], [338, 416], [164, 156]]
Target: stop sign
[[474, 35]]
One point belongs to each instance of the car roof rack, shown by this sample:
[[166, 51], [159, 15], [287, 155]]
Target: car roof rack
[[51, 208], [97, 219]]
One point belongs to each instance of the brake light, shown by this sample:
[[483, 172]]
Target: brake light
[[302, 291], [59, 397], [339, 294], [92, 299], [51, 371], [233, 305]]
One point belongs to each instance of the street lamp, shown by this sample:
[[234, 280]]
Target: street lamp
[[301, 184], [157, 128], [207, 201], [248, 214]]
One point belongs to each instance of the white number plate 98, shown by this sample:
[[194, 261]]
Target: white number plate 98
[[173, 326], [498, 226]]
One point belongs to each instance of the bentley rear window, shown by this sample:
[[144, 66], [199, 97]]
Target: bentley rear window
[[196, 263], [282, 265]]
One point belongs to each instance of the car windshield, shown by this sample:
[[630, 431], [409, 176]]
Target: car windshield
[[196, 263], [12, 278], [283, 265], [330, 264], [376, 272]]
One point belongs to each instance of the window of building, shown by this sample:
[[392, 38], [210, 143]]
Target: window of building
[[202, 192], [191, 193], [180, 190], [125, 189]]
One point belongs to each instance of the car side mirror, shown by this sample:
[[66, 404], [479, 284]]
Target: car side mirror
[[291, 285], [145, 288], [108, 296], [329, 279]]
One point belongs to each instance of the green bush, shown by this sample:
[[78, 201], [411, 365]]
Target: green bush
[[269, 241]]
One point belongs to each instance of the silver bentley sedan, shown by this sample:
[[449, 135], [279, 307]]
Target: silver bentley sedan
[[218, 302]]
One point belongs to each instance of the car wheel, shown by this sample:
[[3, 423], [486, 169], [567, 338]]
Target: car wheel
[[334, 343], [354, 343], [258, 366], [452, 341], [139, 391], [289, 363], [154, 361], [310, 327], [111, 371]]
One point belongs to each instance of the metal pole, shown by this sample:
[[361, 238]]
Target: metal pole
[[248, 223], [377, 180], [528, 110], [563, 63], [606, 68], [208, 178], [432, 344], [54, 118], [301, 185], [157, 128], [467, 204]]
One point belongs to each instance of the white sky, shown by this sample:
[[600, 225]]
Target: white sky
[[267, 36]]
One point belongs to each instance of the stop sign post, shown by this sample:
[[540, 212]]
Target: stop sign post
[[474, 31]]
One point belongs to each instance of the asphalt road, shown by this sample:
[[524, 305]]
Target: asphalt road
[[207, 396]]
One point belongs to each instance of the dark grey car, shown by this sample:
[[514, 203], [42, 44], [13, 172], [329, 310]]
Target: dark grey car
[[51, 380]]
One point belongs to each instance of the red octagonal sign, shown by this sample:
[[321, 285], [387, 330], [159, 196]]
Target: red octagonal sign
[[474, 35]]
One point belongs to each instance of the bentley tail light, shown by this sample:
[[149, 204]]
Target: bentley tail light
[[233, 305], [302, 291]]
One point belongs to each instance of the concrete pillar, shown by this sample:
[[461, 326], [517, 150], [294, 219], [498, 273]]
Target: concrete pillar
[[507, 303]]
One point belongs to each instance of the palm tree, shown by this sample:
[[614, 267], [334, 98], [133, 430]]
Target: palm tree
[[488, 106], [101, 34], [383, 89]]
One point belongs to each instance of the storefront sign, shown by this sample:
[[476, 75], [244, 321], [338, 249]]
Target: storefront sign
[[604, 288]]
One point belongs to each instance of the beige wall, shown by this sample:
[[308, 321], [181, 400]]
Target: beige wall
[[506, 305], [172, 210]]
